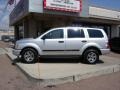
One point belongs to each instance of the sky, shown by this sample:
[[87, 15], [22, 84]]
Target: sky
[[4, 14], [114, 4]]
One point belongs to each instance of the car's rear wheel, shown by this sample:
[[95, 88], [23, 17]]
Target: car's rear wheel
[[29, 55], [91, 56]]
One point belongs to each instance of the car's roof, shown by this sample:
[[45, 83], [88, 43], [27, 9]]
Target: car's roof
[[76, 27]]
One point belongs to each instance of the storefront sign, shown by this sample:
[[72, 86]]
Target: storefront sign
[[63, 5]]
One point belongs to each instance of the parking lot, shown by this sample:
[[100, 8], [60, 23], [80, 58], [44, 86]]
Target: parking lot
[[11, 78], [4, 44], [15, 79], [59, 71]]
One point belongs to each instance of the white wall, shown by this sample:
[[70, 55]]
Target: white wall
[[104, 13]]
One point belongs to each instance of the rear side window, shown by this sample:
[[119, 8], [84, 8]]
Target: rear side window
[[75, 33], [95, 33]]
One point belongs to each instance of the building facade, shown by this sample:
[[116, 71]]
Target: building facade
[[31, 18]]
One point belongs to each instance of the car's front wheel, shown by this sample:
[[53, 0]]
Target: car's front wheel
[[29, 55], [91, 56]]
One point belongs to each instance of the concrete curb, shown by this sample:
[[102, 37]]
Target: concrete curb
[[2, 51], [55, 81], [103, 71]]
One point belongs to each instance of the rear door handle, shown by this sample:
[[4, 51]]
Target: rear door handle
[[61, 41], [84, 41]]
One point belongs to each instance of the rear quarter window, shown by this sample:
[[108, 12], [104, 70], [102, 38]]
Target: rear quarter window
[[93, 33]]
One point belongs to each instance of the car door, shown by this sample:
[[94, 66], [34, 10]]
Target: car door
[[75, 41], [54, 42]]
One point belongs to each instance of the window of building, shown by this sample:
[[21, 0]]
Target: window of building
[[75, 33], [56, 34], [21, 32], [95, 33]]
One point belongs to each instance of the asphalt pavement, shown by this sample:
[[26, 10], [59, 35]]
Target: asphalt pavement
[[11, 78]]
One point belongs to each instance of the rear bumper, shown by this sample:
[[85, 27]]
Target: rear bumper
[[105, 51], [16, 52]]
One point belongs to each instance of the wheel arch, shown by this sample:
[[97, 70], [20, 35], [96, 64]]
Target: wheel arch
[[33, 46], [27, 48], [92, 47]]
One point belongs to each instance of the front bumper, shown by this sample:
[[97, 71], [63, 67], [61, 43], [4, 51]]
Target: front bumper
[[16, 52]]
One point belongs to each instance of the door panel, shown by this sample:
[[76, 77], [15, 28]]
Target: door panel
[[73, 46], [75, 41], [53, 46], [54, 43]]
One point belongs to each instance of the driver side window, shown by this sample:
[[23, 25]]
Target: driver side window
[[56, 34]]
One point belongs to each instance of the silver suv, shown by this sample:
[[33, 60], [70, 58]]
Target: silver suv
[[62, 42]]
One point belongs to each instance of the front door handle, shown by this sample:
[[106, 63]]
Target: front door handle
[[61, 41], [84, 41]]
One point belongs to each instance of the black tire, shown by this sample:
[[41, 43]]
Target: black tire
[[29, 55], [91, 56]]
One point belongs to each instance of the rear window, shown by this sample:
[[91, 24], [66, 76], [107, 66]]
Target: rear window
[[75, 33], [95, 33]]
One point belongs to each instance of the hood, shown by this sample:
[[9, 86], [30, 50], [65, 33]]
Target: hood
[[25, 40]]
